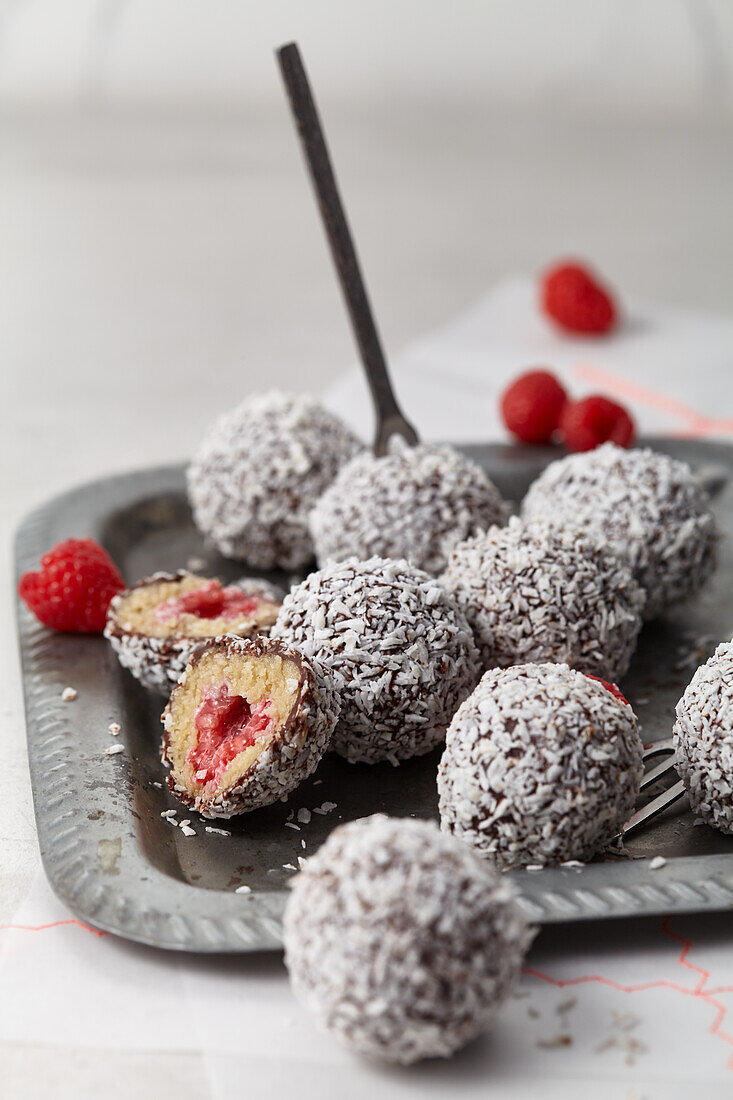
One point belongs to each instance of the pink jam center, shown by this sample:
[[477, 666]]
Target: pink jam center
[[226, 725], [210, 601]]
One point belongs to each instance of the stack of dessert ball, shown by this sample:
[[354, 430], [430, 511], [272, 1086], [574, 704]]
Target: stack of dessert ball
[[432, 617]]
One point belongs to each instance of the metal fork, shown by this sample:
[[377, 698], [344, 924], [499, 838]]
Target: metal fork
[[662, 801]]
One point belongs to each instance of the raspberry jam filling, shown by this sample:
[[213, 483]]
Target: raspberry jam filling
[[226, 726], [613, 688], [210, 601]]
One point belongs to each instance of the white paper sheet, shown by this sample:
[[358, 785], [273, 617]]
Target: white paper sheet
[[648, 1005]]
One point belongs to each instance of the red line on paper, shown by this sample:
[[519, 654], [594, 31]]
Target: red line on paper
[[699, 991], [53, 924], [698, 425]]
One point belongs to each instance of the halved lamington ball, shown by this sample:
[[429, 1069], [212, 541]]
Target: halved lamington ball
[[414, 503], [542, 764], [258, 473], [397, 646], [155, 625], [539, 594], [703, 739], [248, 721], [401, 941], [648, 508]]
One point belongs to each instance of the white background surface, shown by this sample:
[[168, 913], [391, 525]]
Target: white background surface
[[160, 255]]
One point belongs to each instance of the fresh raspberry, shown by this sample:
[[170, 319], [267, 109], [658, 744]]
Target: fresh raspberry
[[73, 588], [573, 298], [531, 406], [613, 688], [587, 423]]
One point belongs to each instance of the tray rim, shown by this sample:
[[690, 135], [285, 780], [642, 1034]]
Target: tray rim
[[205, 920]]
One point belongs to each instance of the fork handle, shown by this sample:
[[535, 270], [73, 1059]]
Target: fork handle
[[390, 420]]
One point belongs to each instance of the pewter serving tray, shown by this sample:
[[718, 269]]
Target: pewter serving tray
[[120, 866]]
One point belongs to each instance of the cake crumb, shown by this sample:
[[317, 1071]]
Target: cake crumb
[[112, 750], [656, 863], [243, 890], [220, 832], [625, 1021], [68, 694], [304, 816], [187, 830], [555, 1042], [114, 728]]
